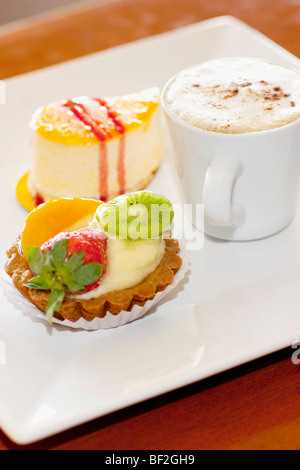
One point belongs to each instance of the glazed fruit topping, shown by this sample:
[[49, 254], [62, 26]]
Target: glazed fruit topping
[[56, 216], [70, 262], [136, 215]]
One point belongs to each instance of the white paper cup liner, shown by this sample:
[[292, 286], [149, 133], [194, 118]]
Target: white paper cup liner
[[109, 321]]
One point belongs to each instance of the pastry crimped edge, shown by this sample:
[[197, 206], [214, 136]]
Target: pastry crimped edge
[[113, 302]]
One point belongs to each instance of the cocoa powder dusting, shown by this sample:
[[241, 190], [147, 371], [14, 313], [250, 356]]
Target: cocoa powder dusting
[[278, 95]]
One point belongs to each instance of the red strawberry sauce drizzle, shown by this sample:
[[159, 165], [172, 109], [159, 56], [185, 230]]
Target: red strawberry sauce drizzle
[[103, 172], [38, 199], [83, 114], [118, 125], [121, 166]]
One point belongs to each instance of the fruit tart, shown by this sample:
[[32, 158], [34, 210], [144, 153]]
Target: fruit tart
[[83, 259], [94, 148]]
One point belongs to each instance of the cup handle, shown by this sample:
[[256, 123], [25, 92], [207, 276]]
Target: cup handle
[[217, 191]]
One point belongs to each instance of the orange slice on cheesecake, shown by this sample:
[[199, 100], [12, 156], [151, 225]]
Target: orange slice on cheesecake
[[91, 147], [84, 120]]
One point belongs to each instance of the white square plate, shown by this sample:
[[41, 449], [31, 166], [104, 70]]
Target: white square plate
[[247, 294]]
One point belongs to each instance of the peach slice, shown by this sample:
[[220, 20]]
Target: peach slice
[[55, 216], [23, 195]]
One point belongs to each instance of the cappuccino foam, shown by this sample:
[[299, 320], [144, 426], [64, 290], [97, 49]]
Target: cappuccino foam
[[235, 95]]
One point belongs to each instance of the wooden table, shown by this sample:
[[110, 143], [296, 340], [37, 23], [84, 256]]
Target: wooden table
[[255, 406]]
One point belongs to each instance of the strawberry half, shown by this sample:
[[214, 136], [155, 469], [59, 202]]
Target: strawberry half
[[70, 262]]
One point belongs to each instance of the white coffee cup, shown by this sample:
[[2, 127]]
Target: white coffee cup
[[248, 182]]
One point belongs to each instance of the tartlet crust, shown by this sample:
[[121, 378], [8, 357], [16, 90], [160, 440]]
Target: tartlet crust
[[114, 302]]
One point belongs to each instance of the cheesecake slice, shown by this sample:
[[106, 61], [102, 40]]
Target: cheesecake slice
[[95, 148]]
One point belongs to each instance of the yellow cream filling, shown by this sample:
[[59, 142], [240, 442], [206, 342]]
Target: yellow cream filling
[[128, 263]]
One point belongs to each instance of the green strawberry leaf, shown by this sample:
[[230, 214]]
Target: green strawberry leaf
[[38, 283], [74, 286], [54, 303], [74, 262], [58, 274], [59, 252], [35, 258], [87, 274], [47, 262]]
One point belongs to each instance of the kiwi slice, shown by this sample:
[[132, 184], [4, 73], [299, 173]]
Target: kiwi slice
[[141, 214]]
